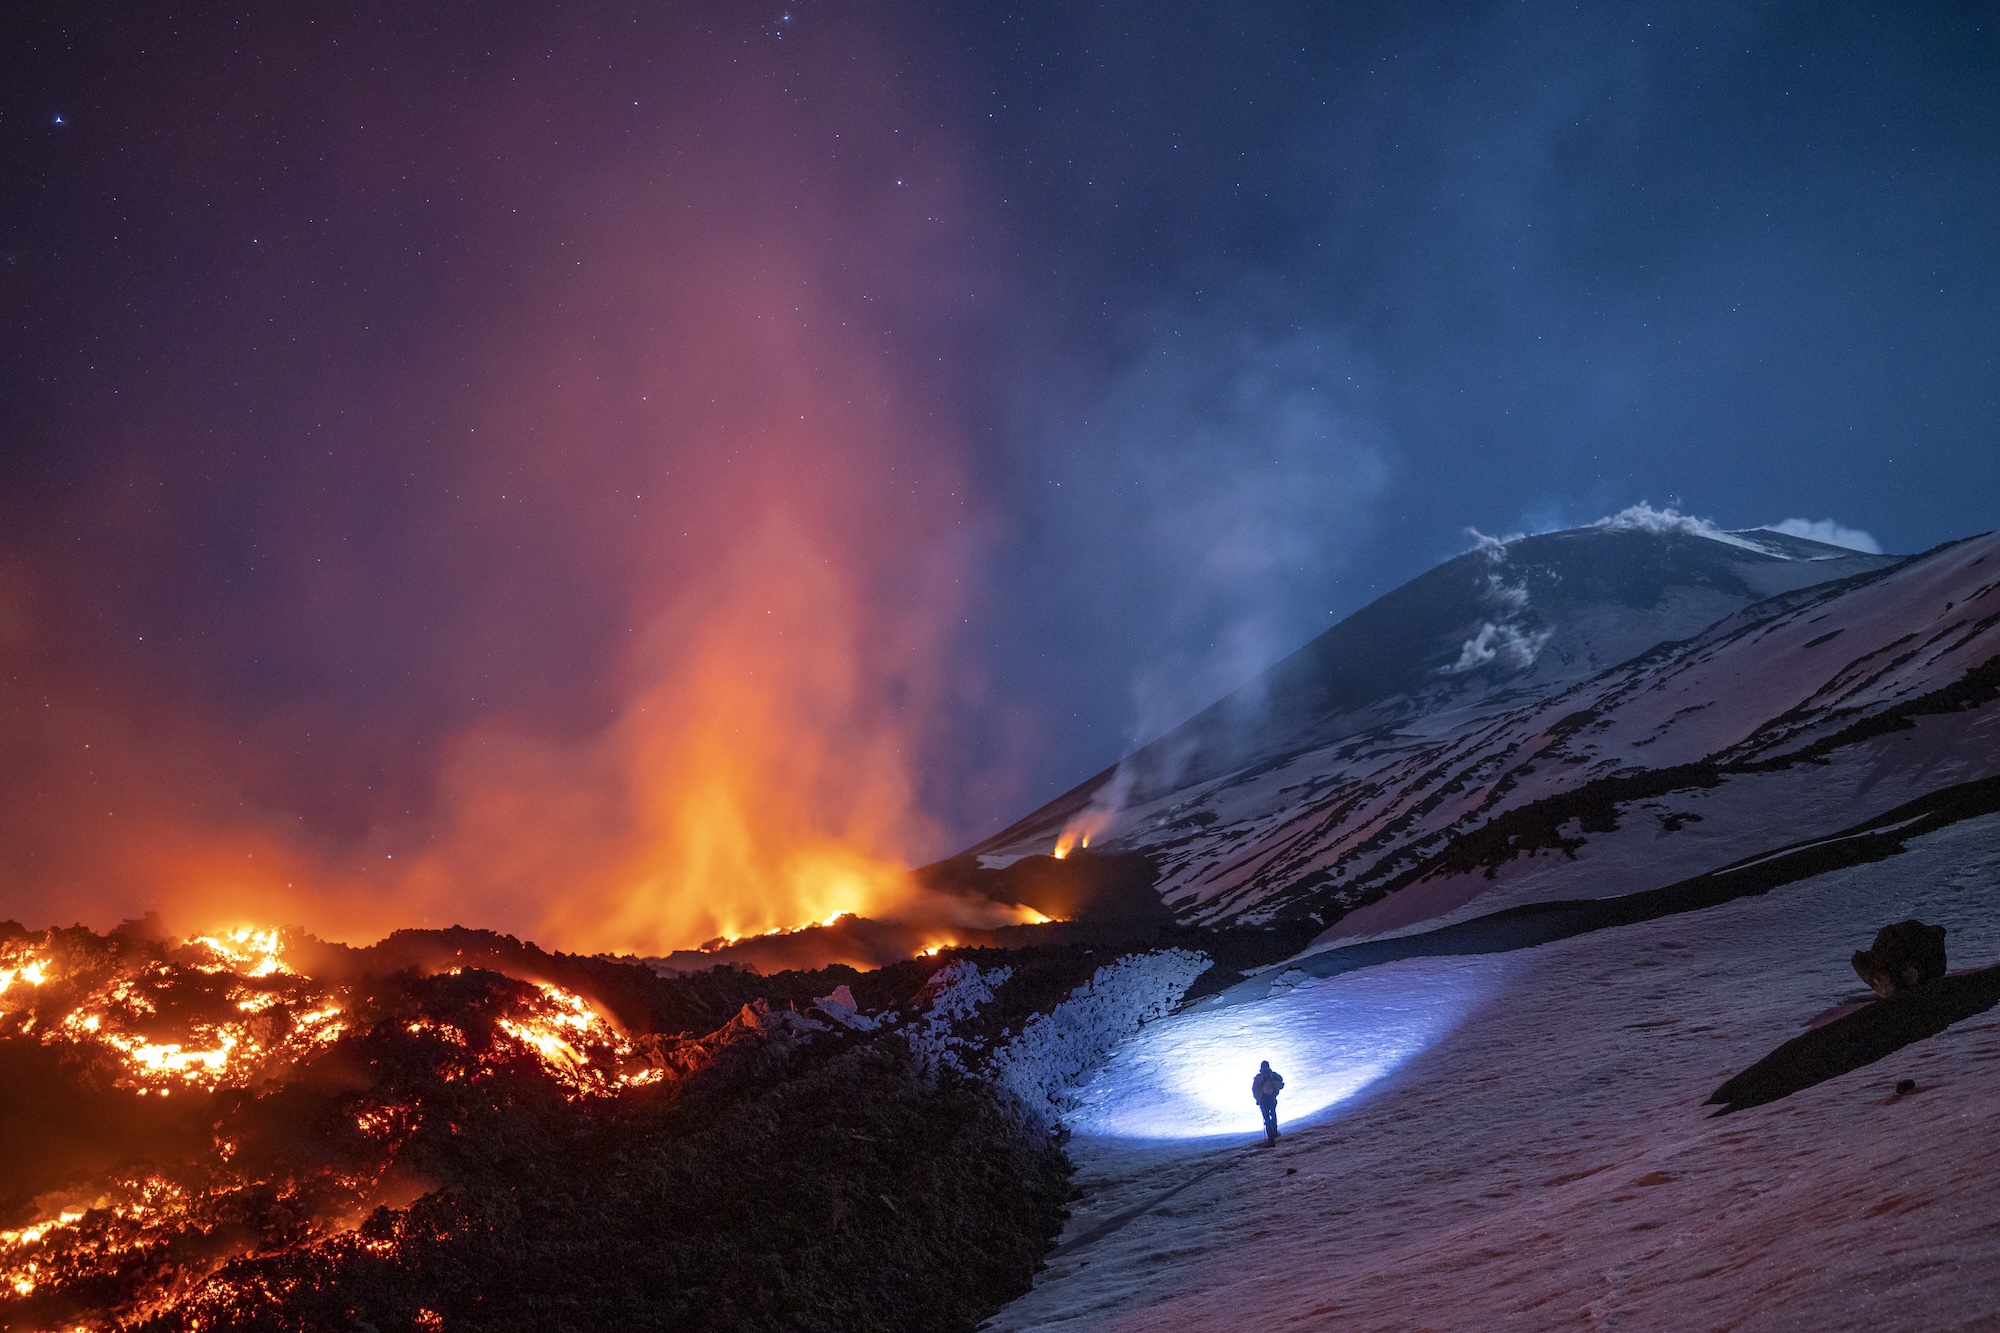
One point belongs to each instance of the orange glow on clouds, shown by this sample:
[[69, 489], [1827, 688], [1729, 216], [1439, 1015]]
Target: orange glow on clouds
[[718, 369], [753, 783]]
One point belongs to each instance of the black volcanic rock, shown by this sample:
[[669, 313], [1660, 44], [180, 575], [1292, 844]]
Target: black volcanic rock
[[1858, 1039], [468, 1150], [1904, 957], [1083, 886]]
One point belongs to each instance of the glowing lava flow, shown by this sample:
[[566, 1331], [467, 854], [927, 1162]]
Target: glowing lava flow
[[244, 951], [200, 1051], [115, 1227], [580, 1048], [33, 973], [936, 936], [224, 1010], [217, 1011]]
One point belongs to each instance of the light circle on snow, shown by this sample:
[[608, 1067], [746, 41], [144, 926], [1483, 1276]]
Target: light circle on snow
[[1188, 1076]]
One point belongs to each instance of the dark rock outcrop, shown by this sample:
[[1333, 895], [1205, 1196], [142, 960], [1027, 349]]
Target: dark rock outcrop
[[1853, 1041], [1904, 957]]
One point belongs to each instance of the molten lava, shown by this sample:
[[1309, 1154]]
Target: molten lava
[[274, 1085], [215, 1011], [1076, 834]]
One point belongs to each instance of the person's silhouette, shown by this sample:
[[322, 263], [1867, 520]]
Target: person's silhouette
[[1265, 1088]]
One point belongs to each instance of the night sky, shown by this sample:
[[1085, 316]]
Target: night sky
[[447, 441]]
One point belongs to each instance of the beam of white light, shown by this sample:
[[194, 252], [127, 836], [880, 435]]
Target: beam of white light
[[1189, 1076]]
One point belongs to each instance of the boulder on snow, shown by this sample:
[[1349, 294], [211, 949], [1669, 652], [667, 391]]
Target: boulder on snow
[[842, 1009], [1876, 1029], [759, 1016], [1904, 957]]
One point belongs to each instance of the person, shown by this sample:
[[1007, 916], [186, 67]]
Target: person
[[1265, 1088]]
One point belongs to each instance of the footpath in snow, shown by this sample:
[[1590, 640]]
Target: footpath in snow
[[1520, 1140]]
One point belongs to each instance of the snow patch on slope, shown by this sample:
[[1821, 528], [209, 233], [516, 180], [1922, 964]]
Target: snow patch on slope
[[1189, 1077]]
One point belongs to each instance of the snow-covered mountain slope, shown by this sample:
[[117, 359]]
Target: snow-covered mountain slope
[[1673, 700], [1503, 1121], [1500, 623], [1522, 1140]]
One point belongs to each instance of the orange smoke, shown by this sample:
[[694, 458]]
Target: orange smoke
[[757, 780], [1082, 827], [757, 777], [708, 420]]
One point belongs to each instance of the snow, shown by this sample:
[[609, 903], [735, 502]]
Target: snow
[[842, 1009], [1058, 1050], [1190, 1078], [1521, 1139], [1540, 1153], [1415, 680], [1743, 815], [956, 992]]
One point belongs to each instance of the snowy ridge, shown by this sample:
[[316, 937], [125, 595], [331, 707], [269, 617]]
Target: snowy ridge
[[1055, 1052], [1508, 622]]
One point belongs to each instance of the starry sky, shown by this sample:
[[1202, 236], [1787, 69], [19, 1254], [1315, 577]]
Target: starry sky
[[950, 395]]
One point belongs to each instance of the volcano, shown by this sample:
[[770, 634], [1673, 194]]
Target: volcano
[[1517, 875], [1539, 715]]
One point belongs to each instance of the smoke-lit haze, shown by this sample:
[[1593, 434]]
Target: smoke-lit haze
[[626, 475]]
